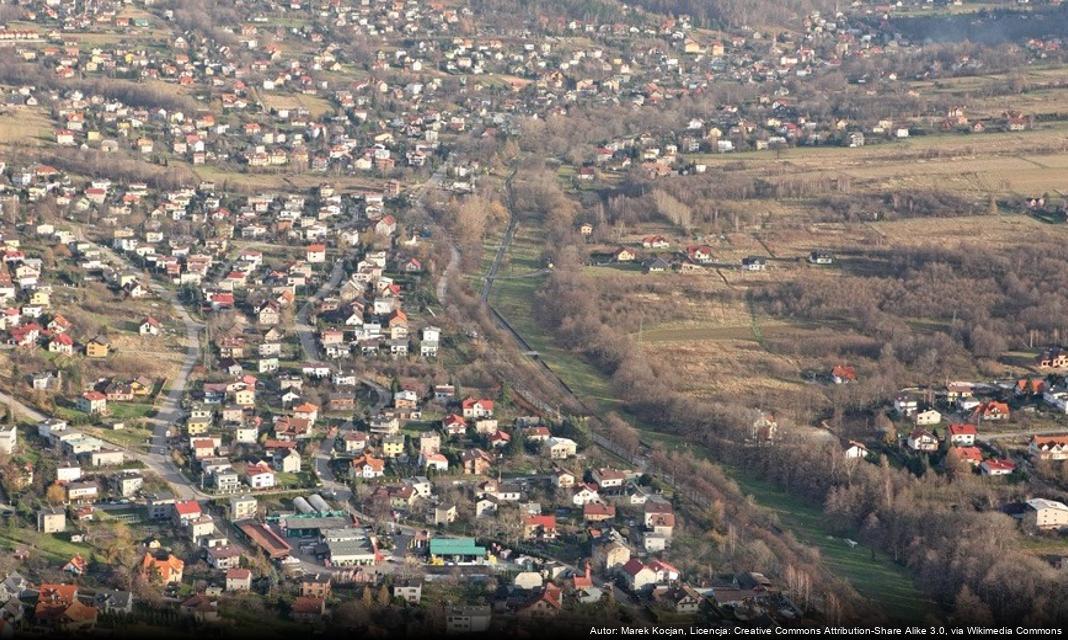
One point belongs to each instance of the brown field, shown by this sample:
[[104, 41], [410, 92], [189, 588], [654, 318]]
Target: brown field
[[24, 126], [316, 106]]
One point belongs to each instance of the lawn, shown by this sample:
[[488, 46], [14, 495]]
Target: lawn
[[54, 548]]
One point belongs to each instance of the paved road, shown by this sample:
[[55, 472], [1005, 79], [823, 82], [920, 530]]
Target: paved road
[[443, 281], [169, 412]]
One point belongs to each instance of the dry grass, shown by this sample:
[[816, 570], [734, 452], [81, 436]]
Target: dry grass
[[24, 127], [316, 106]]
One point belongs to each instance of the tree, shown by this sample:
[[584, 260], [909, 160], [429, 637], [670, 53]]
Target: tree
[[383, 596], [56, 495]]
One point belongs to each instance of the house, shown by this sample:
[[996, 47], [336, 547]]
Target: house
[[623, 254], [1053, 358], [8, 439], [638, 575], [561, 448], [150, 327], [991, 411], [928, 417], [467, 619], [820, 258], [97, 348], [962, 435], [539, 528], [700, 254], [481, 408], [201, 608], [754, 263], [165, 568], [971, 455], [681, 599], [454, 425], [1053, 447], [315, 585], [238, 579], [51, 520], [93, 403], [905, 406], [856, 451], [368, 467], [259, 475], [113, 601], [410, 591], [58, 606], [842, 374], [922, 440], [77, 565], [242, 507], [444, 515], [315, 253], [186, 511], [475, 461], [597, 512], [997, 467], [585, 494], [1046, 514]]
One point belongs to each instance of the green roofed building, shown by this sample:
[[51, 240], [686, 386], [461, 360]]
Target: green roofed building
[[456, 550]]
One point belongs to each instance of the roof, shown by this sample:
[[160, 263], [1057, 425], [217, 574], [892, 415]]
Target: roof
[[1045, 503], [455, 547], [546, 522], [634, 566], [963, 429], [187, 507], [999, 465], [1041, 441]]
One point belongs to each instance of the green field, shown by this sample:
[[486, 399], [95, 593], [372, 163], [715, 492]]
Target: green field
[[50, 546], [513, 297]]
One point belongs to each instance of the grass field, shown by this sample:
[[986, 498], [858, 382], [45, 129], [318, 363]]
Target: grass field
[[52, 547], [514, 298]]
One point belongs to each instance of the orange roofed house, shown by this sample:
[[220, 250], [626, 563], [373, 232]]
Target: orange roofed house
[[58, 606], [167, 568], [1053, 447], [990, 411]]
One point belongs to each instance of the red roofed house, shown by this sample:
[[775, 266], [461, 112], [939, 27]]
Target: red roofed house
[[186, 511], [991, 410], [997, 467], [971, 455], [454, 425], [539, 528], [1053, 447], [93, 402], [638, 576], [477, 408], [597, 512], [316, 253], [58, 605], [842, 374], [962, 434]]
